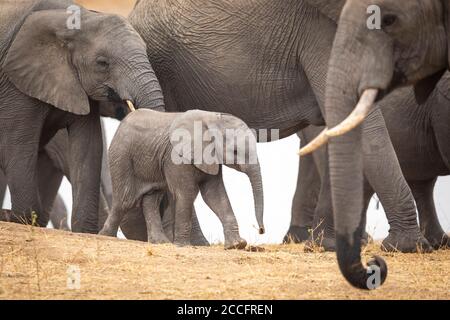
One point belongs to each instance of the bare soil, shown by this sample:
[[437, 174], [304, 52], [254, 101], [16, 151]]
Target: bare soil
[[34, 264]]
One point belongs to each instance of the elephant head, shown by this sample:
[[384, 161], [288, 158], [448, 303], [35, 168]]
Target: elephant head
[[104, 60], [379, 45], [215, 139]]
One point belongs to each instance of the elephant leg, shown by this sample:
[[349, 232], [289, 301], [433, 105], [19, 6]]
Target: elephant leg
[[152, 215], [133, 225], [197, 236], [305, 198], [184, 209], [215, 196], [121, 213], [85, 150], [103, 209], [368, 194], [168, 216], [384, 174], [322, 233], [428, 219], [322, 228], [21, 175], [58, 214], [3, 186], [50, 179], [167, 209]]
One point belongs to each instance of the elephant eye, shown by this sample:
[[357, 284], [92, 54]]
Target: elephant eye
[[102, 62], [389, 20]]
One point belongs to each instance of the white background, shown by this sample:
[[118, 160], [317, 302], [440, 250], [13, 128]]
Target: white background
[[279, 164]]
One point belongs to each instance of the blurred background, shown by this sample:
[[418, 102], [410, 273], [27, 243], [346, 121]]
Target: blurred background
[[279, 163]]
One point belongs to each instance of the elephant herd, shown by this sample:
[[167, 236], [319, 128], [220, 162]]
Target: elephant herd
[[372, 104]]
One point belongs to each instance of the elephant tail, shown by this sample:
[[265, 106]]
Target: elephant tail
[[349, 260]]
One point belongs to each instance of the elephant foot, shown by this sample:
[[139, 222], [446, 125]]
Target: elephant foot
[[297, 234], [108, 232], [199, 242], [158, 239], [5, 215], [238, 244], [406, 242], [320, 245], [182, 243], [439, 241], [328, 243]]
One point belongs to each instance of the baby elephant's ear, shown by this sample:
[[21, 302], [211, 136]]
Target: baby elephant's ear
[[192, 144], [212, 169], [211, 142]]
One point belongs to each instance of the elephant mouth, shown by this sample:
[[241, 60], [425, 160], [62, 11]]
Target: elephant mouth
[[113, 96]]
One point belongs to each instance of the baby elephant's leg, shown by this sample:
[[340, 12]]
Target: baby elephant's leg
[[215, 196], [184, 209], [113, 221], [151, 210]]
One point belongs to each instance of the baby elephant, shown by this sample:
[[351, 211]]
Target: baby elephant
[[154, 153]]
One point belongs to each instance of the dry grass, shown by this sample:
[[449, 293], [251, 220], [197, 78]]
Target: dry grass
[[34, 264]]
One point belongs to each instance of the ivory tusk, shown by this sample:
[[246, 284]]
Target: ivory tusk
[[358, 115], [131, 106], [319, 141]]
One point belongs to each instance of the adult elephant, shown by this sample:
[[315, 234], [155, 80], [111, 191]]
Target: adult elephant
[[266, 62], [52, 76], [54, 164], [420, 135], [406, 45]]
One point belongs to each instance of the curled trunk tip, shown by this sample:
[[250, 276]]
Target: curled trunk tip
[[349, 260]]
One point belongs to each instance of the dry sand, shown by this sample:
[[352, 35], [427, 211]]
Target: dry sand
[[34, 263]]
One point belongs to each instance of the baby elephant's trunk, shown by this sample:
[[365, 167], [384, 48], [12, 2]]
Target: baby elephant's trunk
[[253, 172]]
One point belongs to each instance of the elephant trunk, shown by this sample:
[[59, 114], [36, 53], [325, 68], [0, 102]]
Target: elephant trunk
[[253, 172], [141, 87], [347, 81], [148, 93]]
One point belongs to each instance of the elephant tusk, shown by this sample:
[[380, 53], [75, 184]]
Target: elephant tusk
[[131, 106], [319, 141], [358, 115]]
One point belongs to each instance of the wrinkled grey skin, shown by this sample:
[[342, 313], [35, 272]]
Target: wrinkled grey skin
[[58, 214], [266, 61], [410, 48], [53, 165], [133, 224], [143, 166], [51, 78], [420, 135]]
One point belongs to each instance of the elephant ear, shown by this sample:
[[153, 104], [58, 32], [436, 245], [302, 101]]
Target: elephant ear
[[331, 8], [191, 139], [446, 6], [39, 64]]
